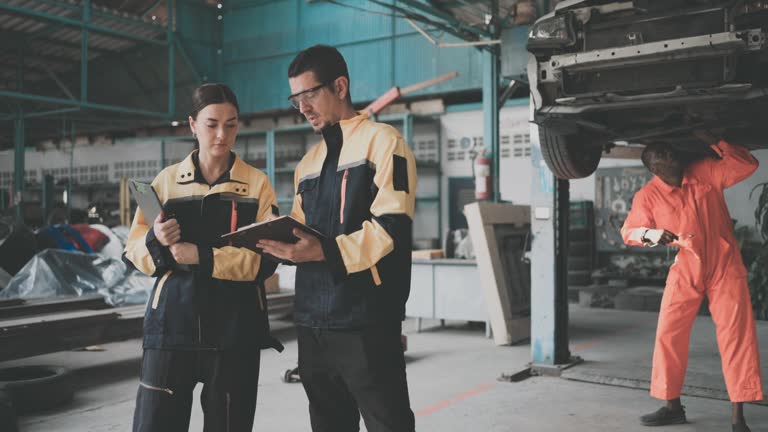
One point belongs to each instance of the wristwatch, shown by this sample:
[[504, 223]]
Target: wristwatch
[[642, 237]]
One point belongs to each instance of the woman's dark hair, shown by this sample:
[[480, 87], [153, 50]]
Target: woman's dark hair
[[212, 93]]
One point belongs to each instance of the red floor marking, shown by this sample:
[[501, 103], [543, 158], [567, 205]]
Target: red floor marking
[[458, 398], [487, 386]]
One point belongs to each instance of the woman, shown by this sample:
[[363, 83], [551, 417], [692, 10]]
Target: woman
[[206, 320]]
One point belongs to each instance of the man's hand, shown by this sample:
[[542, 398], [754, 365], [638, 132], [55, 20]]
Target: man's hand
[[659, 237], [168, 232], [185, 253], [307, 249]]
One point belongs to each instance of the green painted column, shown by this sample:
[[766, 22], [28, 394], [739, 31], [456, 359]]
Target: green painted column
[[491, 114], [84, 51], [18, 164], [71, 172], [162, 154], [408, 129], [48, 197], [171, 60], [491, 72], [271, 156]]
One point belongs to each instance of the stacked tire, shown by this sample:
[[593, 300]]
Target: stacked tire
[[27, 389], [581, 247]]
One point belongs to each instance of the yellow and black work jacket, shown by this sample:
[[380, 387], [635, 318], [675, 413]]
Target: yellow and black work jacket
[[357, 187], [220, 303]]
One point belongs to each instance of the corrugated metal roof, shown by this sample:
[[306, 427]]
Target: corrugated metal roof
[[135, 78], [50, 45]]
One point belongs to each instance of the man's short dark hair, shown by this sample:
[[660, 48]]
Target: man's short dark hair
[[656, 150], [324, 61]]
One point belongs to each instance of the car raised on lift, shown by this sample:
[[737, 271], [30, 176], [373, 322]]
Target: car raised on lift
[[612, 73]]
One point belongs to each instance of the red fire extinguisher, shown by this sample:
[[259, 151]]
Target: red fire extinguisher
[[482, 170]]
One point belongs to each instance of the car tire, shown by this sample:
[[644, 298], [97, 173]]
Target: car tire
[[569, 156], [35, 388]]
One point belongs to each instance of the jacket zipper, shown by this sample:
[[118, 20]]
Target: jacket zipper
[[147, 386], [233, 219], [343, 195], [199, 325]]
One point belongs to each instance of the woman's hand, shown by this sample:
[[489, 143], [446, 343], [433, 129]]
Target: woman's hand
[[185, 253], [168, 232]]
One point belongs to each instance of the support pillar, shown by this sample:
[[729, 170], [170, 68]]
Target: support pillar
[[18, 164], [549, 265]]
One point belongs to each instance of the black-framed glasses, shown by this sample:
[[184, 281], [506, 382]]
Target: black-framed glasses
[[307, 96]]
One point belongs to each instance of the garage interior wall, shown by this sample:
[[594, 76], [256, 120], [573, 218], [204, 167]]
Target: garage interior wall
[[261, 39]]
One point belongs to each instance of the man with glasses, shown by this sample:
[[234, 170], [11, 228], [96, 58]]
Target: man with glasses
[[357, 187]]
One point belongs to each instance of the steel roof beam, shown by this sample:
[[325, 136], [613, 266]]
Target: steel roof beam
[[90, 105], [81, 24]]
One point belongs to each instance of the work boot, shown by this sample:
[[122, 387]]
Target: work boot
[[741, 427], [664, 416]]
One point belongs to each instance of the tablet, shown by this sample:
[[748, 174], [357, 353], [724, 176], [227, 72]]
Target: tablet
[[147, 199]]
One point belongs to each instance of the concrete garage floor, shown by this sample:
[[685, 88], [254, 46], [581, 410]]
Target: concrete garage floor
[[453, 375], [622, 354]]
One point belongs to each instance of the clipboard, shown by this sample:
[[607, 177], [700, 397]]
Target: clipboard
[[278, 229], [150, 206], [147, 199]]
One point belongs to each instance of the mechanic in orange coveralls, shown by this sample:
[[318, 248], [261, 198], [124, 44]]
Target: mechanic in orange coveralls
[[685, 207]]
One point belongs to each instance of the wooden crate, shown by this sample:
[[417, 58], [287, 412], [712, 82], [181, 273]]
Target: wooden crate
[[427, 254]]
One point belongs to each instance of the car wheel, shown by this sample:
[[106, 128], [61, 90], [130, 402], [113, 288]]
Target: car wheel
[[569, 156]]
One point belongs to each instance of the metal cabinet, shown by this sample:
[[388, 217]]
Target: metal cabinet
[[446, 289]]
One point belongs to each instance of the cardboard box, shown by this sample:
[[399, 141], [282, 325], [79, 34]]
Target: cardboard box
[[272, 284]]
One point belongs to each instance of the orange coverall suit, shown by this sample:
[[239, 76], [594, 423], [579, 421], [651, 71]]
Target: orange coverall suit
[[709, 262]]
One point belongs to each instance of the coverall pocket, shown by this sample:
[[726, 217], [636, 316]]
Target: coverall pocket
[[734, 266], [308, 190]]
